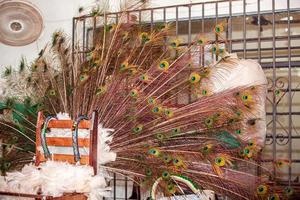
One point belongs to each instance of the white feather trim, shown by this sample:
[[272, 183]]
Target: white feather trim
[[55, 179], [63, 116], [104, 154]]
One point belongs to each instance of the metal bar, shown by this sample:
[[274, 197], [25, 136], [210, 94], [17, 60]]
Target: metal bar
[[87, 40], [274, 105], [281, 64], [117, 18], [140, 17], [94, 30], [293, 160], [162, 7], [177, 21], [126, 187], [259, 31], [278, 136], [284, 113], [293, 90], [73, 38], [151, 19], [190, 26], [115, 188], [202, 20], [265, 39], [290, 92], [230, 26], [244, 28], [83, 38], [184, 5], [216, 23], [164, 15], [269, 49], [203, 30]]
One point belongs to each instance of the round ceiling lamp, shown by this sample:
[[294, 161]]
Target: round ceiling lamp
[[20, 23]]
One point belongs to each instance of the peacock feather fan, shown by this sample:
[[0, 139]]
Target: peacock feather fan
[[179, 126]]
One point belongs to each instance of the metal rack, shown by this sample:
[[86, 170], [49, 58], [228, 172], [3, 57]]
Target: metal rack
[[275, 44]]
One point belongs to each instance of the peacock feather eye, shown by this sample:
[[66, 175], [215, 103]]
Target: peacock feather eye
[[6, 165], [209, 122], [204, 92], [52, 92], [207, 148], [274, 197], [251, 143], [238, 113], [101, 90], [221, 50], [144, 37], [175, 131], [288, 191], [177, 162], [134, 93], [137, 129], [246, 97], [132, 71], [171, 188], [241, 153], [123, 66], [219, 28], [166, 175], [215, 49], [151, 101], [262, 190], [83, 77], [144, 77], [238, 131], [15, 138], [168, 113], [164, 65], [174, 43], [279, 163], [148, 172], [194, 77], [220, 161], [154, 152], [166, 158], [156, 110], [248, 152], [29, 79], [201, 41], [159, 136]]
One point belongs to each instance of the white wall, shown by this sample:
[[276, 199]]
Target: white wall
[[57, 15]]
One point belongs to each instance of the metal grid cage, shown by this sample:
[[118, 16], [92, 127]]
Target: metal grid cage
[[264, 30]]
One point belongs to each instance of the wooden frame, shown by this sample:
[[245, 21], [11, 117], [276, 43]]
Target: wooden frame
[[91, 143]]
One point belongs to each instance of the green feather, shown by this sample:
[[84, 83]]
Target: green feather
[[228, 140]]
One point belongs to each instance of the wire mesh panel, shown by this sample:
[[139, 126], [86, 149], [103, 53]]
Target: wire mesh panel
[[264, 30]]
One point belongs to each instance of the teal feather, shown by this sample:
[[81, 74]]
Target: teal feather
[[228, 140]]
